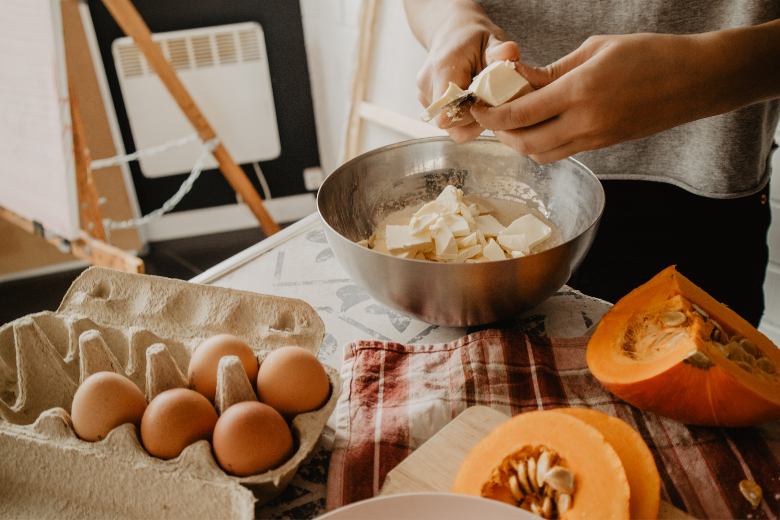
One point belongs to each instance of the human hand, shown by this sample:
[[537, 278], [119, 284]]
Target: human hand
[[610, 90], [460, 45]]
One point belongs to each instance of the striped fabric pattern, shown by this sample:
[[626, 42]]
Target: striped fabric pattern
[[395, 397]]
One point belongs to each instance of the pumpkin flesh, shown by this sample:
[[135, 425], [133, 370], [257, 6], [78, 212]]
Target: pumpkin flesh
[[600, 486], [641, 471], [668, 347]]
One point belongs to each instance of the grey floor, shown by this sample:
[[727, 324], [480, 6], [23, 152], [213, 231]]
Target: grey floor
[[181, 258]]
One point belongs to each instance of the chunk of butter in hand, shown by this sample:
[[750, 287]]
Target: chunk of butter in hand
[[497, 84]]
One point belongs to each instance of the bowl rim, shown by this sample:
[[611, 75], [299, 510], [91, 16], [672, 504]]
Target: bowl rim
[[411, 142]]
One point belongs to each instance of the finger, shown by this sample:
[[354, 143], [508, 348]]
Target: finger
[[461, 134], [540, 138], [498, 50], [525, 111], [444, 121], [562, 152]]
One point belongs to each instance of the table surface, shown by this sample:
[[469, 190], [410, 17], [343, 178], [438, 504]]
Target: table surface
[[298, 263]]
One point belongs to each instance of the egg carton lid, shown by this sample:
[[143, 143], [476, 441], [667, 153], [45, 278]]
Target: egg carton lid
[[187, 310]]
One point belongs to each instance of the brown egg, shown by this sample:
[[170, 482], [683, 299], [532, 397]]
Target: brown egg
[[292, 380], [205, 362], [104, 401], [175, 419], [250, 438]]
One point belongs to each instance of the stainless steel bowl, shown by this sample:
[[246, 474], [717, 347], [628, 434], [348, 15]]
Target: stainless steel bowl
[[361, 193]]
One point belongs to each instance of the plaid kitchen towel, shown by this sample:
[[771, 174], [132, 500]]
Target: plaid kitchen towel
[[395, 397]]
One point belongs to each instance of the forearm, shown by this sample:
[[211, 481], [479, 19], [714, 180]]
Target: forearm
[[743, 65]]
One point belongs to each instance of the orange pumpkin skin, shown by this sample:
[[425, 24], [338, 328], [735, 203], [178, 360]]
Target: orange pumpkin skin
[[689, 378], [601, 485], [641, 471]]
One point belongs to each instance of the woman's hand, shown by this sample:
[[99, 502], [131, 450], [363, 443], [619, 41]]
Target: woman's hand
[[462, 41], [618, 88]]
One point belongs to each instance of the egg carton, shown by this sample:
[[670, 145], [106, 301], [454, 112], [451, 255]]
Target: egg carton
[[146, 328]]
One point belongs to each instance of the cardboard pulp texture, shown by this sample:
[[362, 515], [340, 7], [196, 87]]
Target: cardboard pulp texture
[[146, 328]]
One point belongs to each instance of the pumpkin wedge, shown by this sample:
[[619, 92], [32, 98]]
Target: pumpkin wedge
[[552, 464], [641, 471], [669, 347]]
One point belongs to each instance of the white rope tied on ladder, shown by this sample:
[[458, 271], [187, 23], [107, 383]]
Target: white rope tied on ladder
[[208, 147], [120, 159]]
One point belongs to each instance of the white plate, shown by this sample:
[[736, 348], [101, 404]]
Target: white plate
[[428, 506]]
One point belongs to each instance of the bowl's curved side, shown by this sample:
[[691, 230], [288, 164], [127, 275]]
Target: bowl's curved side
[[358, 194]]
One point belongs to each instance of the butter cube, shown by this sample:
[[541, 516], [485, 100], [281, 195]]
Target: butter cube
[[458, 225], [481, 239], [514, 243], [477, 259], [399, 239], [380, 245], [450, 197], [517, 254], [468, 241], [363, 243], [469, 252], [444, 240], [493, 251], [489, 226], [535, 230], [466, 214], [422, 223], [498, 83], [452, 93]]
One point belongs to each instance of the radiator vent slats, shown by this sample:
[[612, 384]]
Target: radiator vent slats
[[205, 49]]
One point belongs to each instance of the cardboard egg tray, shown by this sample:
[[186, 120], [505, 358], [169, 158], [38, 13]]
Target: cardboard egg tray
[[145, 327]]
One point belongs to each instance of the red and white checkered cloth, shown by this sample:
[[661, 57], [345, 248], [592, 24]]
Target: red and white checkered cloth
[[395, 397]]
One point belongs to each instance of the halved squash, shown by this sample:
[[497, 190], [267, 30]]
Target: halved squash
[[552, 464], [668, 347], [641, 471]]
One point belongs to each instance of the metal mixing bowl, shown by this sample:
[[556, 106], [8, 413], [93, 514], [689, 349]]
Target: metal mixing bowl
[[361, 193]]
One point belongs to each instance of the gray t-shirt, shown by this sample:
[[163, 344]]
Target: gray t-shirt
[[724, 156]]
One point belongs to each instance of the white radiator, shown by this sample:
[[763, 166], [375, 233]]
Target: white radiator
[[225, 70]]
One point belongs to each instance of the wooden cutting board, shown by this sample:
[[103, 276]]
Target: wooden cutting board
[[433, 466]]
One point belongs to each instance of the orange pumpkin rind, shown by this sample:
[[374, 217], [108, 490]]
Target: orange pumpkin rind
[[670, 348], [599, 488]]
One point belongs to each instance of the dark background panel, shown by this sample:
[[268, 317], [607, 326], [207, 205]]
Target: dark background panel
[[283, 29]]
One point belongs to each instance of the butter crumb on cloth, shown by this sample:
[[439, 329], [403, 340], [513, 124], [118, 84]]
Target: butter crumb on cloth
[[457, 228]]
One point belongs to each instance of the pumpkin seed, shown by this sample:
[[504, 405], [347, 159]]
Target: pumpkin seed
[[673, 319], [744, 366], [751, 491], [749, 346], [564, 503], [547, 507], [700, 311], [560, 479], [715, 334], [514, 487], [542, 465], [522, 477], [766, 365], [532, 474], [735, 351]]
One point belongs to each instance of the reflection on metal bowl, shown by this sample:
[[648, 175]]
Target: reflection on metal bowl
[[361, 193]]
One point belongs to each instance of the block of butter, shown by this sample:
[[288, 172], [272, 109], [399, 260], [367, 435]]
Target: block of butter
[[497, 84]]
